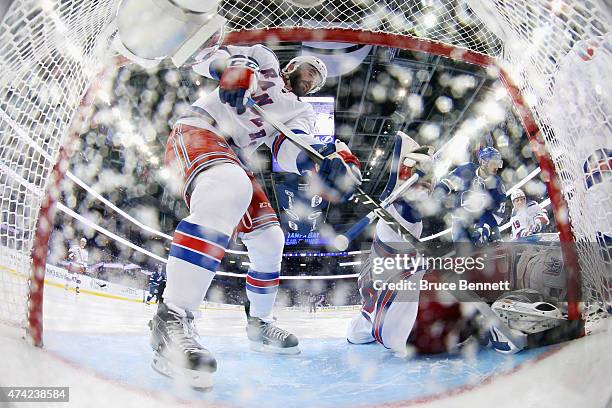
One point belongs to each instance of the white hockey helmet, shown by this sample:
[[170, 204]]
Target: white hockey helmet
[[518, 193], [528, 311], [296, 62]]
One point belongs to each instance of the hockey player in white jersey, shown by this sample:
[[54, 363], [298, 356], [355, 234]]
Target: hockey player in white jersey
[[387, 316], [395, 314], [528, 217], [209, 151], [78, 257]]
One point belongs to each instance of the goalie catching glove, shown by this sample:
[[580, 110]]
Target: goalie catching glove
[[337, 176], [238, 81]]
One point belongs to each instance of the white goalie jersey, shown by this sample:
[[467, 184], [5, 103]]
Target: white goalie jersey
[[249, 131], [387, 316]]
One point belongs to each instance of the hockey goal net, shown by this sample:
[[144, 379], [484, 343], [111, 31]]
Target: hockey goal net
[[554, 56]]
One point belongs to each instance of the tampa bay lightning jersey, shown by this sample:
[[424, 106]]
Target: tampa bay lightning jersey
[[157, 277], [483, 199]]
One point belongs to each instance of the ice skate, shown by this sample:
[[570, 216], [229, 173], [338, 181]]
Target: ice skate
[[266, 337], [177, 352]]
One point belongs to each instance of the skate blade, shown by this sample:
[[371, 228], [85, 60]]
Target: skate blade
[[264, 348], [201, 380]]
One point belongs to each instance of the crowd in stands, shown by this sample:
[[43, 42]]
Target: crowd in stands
[[105, 265]]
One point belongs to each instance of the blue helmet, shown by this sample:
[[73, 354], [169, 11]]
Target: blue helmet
[[489, 153]]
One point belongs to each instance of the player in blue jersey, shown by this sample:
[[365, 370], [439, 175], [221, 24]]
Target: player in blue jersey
[[157, 281], [477, 197]]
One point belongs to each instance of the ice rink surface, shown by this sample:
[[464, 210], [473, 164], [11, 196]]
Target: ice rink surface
[[99, 348]]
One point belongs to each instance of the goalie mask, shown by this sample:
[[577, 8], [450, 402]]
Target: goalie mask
[[527, 311], [291, 74]]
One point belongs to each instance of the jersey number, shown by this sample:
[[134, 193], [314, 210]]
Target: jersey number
[[263, 99]]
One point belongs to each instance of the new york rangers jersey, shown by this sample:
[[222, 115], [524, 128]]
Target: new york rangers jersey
[[78, 255], [387, 316], [248, 131], [524, 220]]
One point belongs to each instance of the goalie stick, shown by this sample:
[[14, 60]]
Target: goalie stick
[[342, 241], [373, 205]]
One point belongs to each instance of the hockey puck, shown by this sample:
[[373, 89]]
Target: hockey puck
[[341, 242]]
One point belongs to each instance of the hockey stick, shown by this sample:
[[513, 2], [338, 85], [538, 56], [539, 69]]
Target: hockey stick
[[342, 241], [373, 205]]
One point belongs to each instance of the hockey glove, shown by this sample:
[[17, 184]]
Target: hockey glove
[[238, 81], [421, 161], [537, 226], [482, 233], [338, 174], [418, 162]]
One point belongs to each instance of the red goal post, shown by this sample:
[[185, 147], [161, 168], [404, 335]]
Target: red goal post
[[38, 64]]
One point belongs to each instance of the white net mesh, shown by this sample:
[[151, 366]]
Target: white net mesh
[[559, 53], [448, 22], [50, 51]]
